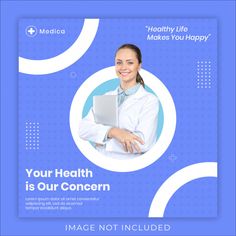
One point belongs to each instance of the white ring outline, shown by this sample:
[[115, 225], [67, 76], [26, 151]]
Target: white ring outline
[[65, 59], [176, 181], [31, 26], [126, 165]]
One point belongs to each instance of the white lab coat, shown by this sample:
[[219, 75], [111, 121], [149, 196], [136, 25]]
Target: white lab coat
[[137, 114]]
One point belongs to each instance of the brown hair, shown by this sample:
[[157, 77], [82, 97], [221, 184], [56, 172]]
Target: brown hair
[[133, 47]]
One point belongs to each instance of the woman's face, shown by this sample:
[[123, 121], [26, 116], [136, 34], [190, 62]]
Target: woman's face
[[127, 66]]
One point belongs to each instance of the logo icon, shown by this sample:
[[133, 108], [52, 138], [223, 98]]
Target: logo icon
[[31, 31]]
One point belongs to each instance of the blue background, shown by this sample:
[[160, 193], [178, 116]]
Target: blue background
[[223, 224], [46, 100]]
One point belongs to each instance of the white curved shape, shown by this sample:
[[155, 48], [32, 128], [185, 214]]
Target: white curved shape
[[176, 181], [65, 59], [138, 162]]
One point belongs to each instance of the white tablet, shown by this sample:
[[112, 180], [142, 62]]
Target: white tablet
[[105, 110]]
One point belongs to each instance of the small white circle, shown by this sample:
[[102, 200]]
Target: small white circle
[[139, 162], [31, 31]]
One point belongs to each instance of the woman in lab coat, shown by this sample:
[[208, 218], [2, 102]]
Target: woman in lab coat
[[137, 112]]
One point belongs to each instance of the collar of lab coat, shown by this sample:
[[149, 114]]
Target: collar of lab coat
[[129, 91], [139, 94]]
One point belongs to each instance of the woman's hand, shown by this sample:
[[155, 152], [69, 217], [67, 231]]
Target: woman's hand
[[126, 138]]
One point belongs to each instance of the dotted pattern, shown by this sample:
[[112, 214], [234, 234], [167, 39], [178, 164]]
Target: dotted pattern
[[31, 135], [204, 75]]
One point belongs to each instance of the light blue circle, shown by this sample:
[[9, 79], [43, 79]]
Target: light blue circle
[[111, 85]]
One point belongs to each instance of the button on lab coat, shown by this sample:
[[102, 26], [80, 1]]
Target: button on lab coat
[[137, 114]]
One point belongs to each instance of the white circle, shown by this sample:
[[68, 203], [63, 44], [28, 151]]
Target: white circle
[[139, 162], [65, 59], [178, 180], [31, 31]]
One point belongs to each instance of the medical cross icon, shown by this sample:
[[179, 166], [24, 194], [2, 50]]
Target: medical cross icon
[[31, 31]]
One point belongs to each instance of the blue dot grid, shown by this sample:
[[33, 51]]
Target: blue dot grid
[[32, 135], [47, 99], [204, 76]]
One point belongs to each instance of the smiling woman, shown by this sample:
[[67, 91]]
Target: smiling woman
[[138, 110], [127, 63]]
